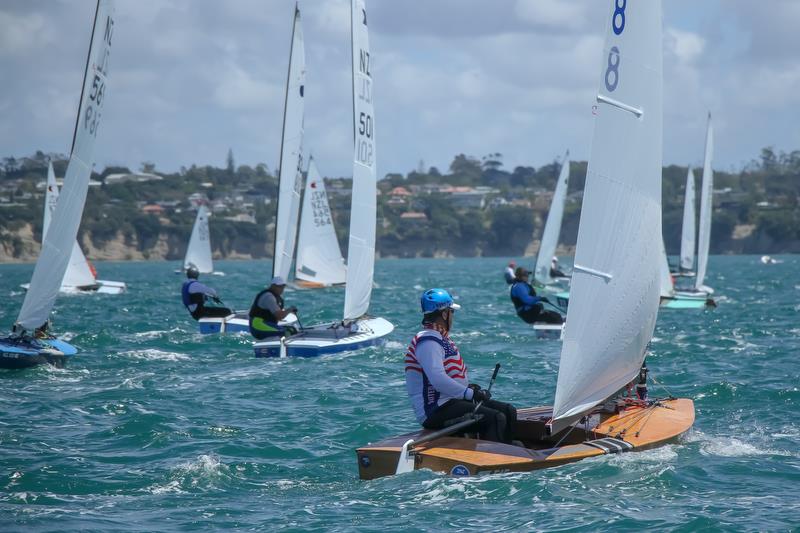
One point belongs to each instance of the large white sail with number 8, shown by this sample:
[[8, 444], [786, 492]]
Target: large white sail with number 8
[[615, 284]]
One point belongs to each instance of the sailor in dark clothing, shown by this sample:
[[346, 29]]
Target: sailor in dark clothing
[[267, 311], [195, 295], [529, 306]]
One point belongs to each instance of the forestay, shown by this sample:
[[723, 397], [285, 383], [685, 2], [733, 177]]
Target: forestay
[[78, 273], [199, 251], [319, 258], [706, 207], [552, 227], [615, 284], [60, 238], [361, 248], [290, 173], [688, 231]]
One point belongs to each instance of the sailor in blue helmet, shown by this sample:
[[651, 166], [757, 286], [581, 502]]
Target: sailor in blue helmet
[[436, 376], [529, 307], [195, 295]]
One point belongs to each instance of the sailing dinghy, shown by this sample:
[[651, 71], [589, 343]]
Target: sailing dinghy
[[699, 290], [356, 330], [672, 299], [290, 182], [319, 261], [616, 268], [80, 276], [30, 343], [552, 229], [198, 252]]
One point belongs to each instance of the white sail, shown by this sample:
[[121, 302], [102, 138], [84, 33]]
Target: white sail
[[290, 175], [78, 273], [59, 241], [319, 258], [199, 251], [688, 231], [552, 227], [706, 207], [361, 247], [667, 290], [615, 289]]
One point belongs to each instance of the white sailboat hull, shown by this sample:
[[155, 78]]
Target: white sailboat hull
[[549, 331], [330, 338]]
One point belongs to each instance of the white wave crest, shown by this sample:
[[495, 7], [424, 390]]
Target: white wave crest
[[152, 354]]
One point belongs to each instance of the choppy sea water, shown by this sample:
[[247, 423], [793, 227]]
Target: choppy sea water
[[155, 427]]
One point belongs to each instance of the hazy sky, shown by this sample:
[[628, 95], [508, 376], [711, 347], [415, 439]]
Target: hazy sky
[[191, 78]]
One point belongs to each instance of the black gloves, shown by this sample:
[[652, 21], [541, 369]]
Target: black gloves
[[216, 300], [481, 395]]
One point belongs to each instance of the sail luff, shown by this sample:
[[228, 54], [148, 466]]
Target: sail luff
[[619, 239], [57, 244], [290, 174], [688, 228], [665, 278], [319, 258], [198, 253], [706, 208], [363, 211], [552, 227]]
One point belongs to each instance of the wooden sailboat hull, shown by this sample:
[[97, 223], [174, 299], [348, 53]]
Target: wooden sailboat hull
[[634, 428], [324, 339]]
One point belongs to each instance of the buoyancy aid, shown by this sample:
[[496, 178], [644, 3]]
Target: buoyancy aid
[[188, 298], [519, 305], [266, 315]]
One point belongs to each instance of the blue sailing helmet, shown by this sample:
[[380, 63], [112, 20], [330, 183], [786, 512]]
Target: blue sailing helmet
[[436, 300]]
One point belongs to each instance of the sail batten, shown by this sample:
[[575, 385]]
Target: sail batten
[[706, 207], [59, 241], [620, 227], [688, 228], [363, 211], [319, 258], [290, 174], [198, 253], [552, 227]]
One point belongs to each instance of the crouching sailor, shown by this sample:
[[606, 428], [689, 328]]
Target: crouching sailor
[[529, 306], [436, 377], [267, 310], [195, 295]]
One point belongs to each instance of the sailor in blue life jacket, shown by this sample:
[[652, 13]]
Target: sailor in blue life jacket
[[509, 272], [529, 306], [555, 269], [267, 311], [436, 377], [195, 295]]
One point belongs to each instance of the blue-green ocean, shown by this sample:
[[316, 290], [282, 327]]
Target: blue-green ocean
[[153, 427]]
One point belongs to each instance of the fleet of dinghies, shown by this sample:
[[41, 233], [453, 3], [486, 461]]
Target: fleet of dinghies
[[616, 267], [30, 342], [620, 264]]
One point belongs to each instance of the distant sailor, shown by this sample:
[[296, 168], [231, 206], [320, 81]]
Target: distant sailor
[[436, 376], [529, 306], [195, 295], [555, 269], [267, 311], [509, 272]]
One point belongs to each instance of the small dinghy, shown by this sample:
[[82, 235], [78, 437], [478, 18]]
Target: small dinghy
[[30, 344], [357, 329], [672, 299], [238, 322], [617, 263], [80, 277], [686, 262], [198, 252], [552, 229]]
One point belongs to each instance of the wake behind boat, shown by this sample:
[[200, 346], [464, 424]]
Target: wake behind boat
[[30, 342], [617, 263], [357, 329]]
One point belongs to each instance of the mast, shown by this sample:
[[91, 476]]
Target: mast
[[363, 210], [706, 208], [619, 239], [290, 167], [59, 241]]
